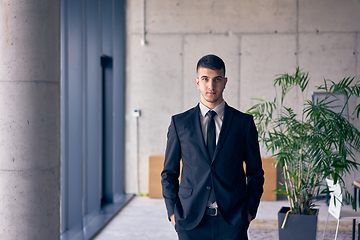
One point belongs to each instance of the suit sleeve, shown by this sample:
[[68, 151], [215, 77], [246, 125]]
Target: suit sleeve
[[254, 171], [171, 170]]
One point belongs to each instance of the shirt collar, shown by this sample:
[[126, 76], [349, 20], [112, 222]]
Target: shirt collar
[[219, 109]]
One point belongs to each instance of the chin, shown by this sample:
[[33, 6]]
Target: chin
[[212, 100]]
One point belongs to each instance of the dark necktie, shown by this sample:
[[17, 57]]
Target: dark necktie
[[211, 144], [211, 135]]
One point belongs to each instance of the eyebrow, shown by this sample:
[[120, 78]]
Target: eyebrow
[[208, 76]]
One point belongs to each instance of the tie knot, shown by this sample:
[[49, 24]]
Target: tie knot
[[211, 113]]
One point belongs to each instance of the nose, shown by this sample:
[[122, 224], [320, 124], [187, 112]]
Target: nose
[[211, 84]]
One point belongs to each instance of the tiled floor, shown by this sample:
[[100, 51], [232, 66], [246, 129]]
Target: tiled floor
[[146, 219]]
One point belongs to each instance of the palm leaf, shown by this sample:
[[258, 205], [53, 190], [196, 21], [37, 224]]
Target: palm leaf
[[318, 144]]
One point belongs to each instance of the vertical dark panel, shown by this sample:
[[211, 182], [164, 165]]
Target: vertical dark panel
[[92, 115], [107, 130], [74, 95], [119, 94], [107, 50], [107, 27], [93, 108], [63, 126]]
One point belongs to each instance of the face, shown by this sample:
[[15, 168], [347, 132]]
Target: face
[[211, 84]]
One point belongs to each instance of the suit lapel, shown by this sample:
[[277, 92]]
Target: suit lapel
[[195, 118], [228, 116]]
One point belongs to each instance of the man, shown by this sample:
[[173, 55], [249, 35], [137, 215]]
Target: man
[[215, 199]]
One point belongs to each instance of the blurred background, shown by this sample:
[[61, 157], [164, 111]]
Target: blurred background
[[111, 73]]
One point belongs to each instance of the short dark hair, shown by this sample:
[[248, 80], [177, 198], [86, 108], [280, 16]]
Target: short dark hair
[[212, 62]]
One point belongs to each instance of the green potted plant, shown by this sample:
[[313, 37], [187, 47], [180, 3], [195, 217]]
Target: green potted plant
[[310, 144]]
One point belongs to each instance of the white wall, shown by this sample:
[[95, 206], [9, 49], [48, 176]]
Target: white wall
[[256, 39]]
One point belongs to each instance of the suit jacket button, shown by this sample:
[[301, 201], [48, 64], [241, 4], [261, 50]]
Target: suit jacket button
[[212, 167], [208, 187]]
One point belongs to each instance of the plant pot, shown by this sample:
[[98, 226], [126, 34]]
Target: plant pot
[[297, 227]]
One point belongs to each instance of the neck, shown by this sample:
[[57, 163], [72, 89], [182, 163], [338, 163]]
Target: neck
[[211, 105]]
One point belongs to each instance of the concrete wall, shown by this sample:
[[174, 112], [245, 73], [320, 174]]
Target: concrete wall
[[29, 119], [256, 39]]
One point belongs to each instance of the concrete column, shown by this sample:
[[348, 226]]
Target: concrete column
[[29, 119]]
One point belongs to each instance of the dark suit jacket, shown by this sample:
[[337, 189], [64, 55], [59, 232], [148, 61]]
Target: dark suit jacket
[[236, 193]]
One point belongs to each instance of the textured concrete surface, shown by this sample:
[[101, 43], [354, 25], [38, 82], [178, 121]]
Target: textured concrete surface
[[327, 55], [263, 57], [29, 119], [146, 219], [256, 39], [25, 50]]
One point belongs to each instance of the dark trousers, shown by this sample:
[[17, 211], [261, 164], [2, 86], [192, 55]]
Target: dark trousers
[[214, 228]]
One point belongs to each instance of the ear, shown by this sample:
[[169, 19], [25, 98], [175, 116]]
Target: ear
[[197, 82], [225, 81]]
